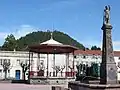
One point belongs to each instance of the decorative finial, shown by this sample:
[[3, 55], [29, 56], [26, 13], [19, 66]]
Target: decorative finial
[[52, 32], [51, 35]]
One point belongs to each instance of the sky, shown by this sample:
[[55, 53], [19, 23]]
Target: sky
[[81, 19]]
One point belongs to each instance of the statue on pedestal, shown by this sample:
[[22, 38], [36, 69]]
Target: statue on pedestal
[[106, 18]]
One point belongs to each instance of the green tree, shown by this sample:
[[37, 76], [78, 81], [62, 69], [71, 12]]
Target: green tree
[[10, 43], [95, 48], [38, 37]]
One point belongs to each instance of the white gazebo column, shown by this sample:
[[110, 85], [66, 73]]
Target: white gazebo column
[[67, 64]]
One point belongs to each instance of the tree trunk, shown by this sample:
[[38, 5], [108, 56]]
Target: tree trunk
[[56, 73], [61, 73], [24, 76], [5, 74], [22, 73]]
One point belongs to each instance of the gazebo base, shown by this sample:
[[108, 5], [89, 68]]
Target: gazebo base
[[50, 80]]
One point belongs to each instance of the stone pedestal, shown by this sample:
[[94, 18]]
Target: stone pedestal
[[108, 69], [76, 85]]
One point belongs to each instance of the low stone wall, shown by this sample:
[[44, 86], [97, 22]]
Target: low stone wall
[[50, 81], [77, 85]]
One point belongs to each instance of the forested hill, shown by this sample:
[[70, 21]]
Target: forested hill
[[41, 36]]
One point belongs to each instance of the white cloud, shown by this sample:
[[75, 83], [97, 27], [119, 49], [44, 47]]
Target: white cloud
[[18, 32], [3, 35], [23, 30], [90, 43], [116, 44]]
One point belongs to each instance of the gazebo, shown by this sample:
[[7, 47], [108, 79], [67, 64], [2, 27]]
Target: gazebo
[[42, 73]]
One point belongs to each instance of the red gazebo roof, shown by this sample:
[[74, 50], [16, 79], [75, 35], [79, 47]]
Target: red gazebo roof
[[52, 48]]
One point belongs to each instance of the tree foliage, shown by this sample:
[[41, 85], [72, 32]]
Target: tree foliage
[[95, 48], [10, 43], [38, 37]]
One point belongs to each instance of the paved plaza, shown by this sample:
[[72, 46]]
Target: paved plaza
[[9, 86]]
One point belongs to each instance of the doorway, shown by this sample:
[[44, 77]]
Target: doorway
[[17, 74]]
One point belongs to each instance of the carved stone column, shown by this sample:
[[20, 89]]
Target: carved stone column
[[108, 69]]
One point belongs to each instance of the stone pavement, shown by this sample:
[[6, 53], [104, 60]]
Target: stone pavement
[[9, 86]]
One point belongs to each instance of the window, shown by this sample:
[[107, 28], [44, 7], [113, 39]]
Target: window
[[42, 55], [32, 62], [8, 60], [0, 61], [8, 71], [0, 70], [118, 57], [93, 56], [119, 64], [84, 56], [99, 56], [5, 60], [27, 61], [18, 61], [75, 56]]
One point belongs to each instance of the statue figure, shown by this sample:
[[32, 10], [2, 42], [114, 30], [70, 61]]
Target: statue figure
[[106, 18]]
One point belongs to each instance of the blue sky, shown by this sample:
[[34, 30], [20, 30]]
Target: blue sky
[[81, 19]]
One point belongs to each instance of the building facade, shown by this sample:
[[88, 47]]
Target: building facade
[[16, 57]]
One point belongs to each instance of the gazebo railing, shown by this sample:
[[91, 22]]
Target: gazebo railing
[[59, 74]]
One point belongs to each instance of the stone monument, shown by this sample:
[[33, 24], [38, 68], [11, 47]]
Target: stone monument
[[108, 69]]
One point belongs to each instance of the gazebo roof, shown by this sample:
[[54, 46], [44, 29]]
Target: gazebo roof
[[52, 47], [51, 41]]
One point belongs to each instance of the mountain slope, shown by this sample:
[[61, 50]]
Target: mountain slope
[[41, 36]]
